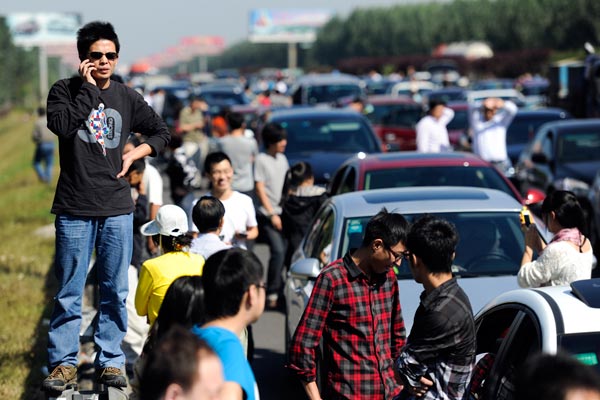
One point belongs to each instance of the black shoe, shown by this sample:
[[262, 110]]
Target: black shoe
[[62, 377], [111, 376]]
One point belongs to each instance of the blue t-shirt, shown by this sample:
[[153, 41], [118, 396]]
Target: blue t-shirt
[[229, 349]]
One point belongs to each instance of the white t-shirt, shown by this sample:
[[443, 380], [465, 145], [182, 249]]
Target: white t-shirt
[[489, 137], [154, 184], [239, 216], [271, 171], [432, 134]]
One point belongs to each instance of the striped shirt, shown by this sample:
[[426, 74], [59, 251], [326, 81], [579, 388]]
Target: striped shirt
[[441, 344], [361, 326]]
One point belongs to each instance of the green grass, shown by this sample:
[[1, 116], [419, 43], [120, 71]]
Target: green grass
[[26, 281]]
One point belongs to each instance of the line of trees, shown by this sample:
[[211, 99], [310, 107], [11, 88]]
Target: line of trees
[[415, 29], [18, 72]]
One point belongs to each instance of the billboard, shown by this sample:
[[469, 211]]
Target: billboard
[[41, 29], [286, 26]]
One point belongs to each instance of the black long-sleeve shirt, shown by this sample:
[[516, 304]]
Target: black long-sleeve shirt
[[88, 184]]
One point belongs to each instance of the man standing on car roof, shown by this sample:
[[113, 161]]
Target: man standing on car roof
[[355, 310], [93, 115], [488, 128]]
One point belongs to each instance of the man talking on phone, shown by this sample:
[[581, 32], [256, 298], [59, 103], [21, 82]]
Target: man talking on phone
[[92, 116]]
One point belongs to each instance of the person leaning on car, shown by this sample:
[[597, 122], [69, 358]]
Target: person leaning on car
[[355, 310]]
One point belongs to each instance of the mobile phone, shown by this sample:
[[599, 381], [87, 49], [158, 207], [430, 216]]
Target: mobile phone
[[242, 234], [525, 217]]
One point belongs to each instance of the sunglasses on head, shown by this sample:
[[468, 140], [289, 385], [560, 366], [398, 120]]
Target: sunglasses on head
[[96, 55]]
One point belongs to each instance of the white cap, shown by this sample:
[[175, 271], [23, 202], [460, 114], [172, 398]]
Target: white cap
[[170, 220]]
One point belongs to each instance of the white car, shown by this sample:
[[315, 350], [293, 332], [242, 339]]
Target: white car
[[520, 323], [488, 255]]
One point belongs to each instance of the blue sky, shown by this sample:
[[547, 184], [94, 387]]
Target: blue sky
[[149, 27]]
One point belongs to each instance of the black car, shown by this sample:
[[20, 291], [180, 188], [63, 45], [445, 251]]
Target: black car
[[564, 155], [523, 127], [325, 137]]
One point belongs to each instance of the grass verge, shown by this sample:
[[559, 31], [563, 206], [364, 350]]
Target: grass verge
[[26, 284]]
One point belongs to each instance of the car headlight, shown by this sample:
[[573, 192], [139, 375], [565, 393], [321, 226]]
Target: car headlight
[[576, 186]]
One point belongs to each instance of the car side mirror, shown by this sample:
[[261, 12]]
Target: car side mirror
[[308, 268], [539, 158]]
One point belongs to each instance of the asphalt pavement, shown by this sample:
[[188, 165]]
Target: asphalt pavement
[[274, 380]]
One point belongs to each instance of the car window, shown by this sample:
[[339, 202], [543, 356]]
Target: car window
[[483, 177], [490, 243], [546, 146], [331, 93], [583, 346], [405, 115], [350, 135], [460, 120], [578, 147], [319, 241], [348, 184], [521, 130]]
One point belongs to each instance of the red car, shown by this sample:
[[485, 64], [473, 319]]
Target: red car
[[409, 169], [394, 118]]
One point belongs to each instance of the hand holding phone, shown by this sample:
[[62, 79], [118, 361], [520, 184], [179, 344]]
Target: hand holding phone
[[525, 217]]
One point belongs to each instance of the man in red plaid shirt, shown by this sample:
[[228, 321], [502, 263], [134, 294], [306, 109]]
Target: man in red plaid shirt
[[354, 309]]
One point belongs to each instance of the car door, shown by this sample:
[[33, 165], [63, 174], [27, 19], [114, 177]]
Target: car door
[[506, 336]]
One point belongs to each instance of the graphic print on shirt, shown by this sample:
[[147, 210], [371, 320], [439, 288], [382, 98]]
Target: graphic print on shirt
[[103, 126]]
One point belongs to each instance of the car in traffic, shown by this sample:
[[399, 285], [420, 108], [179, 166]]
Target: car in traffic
[[414, 169], [522, 128], [487, 259], [521, 323], [325, 137], [314, 89], [394, 119], [415, 89], [221, 95], [563, 155]]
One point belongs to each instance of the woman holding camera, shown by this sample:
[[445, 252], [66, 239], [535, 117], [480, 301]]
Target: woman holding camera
[[568, 257]]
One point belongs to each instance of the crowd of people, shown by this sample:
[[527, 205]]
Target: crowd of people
[[186, 273]]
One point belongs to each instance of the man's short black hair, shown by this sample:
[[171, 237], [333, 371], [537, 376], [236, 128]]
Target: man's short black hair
[[391, 228], [207, 214], [91, 33], [433, 240], [273, 133], [138, 166], [433, 103], [235, 120], [551, 377], [215, 158], [227, 275], [175, 359]]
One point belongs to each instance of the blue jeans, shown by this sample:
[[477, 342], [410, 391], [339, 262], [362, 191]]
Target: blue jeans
[[76, 239], [43, 160]]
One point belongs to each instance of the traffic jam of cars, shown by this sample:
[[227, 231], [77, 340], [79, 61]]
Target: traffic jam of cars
[[359, 136]]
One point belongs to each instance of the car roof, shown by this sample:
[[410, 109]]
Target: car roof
[[557, 303], [327, 79], [313, 112], [419, 200], [573, 123], [414, 158], [559, 112], [389, 99]]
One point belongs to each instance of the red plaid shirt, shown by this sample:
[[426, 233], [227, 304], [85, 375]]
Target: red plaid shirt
[[360, 322]]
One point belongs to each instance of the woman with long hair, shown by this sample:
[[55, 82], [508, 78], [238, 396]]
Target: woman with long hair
[[568, 257]]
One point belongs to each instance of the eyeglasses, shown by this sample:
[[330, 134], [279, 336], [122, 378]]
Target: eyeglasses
[[399, 256], [97, 55]]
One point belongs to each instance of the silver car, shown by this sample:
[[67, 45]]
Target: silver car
[[488, 255]]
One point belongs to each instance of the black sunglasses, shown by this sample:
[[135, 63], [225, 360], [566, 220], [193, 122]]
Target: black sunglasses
[[96, 55]]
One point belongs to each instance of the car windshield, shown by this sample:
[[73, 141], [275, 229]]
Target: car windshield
[[522, 130], [460, 121], [583, 346], [331, 93], [395, 114], [340, 135], [578, 147], [490, 243], [483, 177]]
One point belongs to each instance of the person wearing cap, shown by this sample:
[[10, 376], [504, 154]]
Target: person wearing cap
[[170, 230], [488, 128], [432, 132]]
